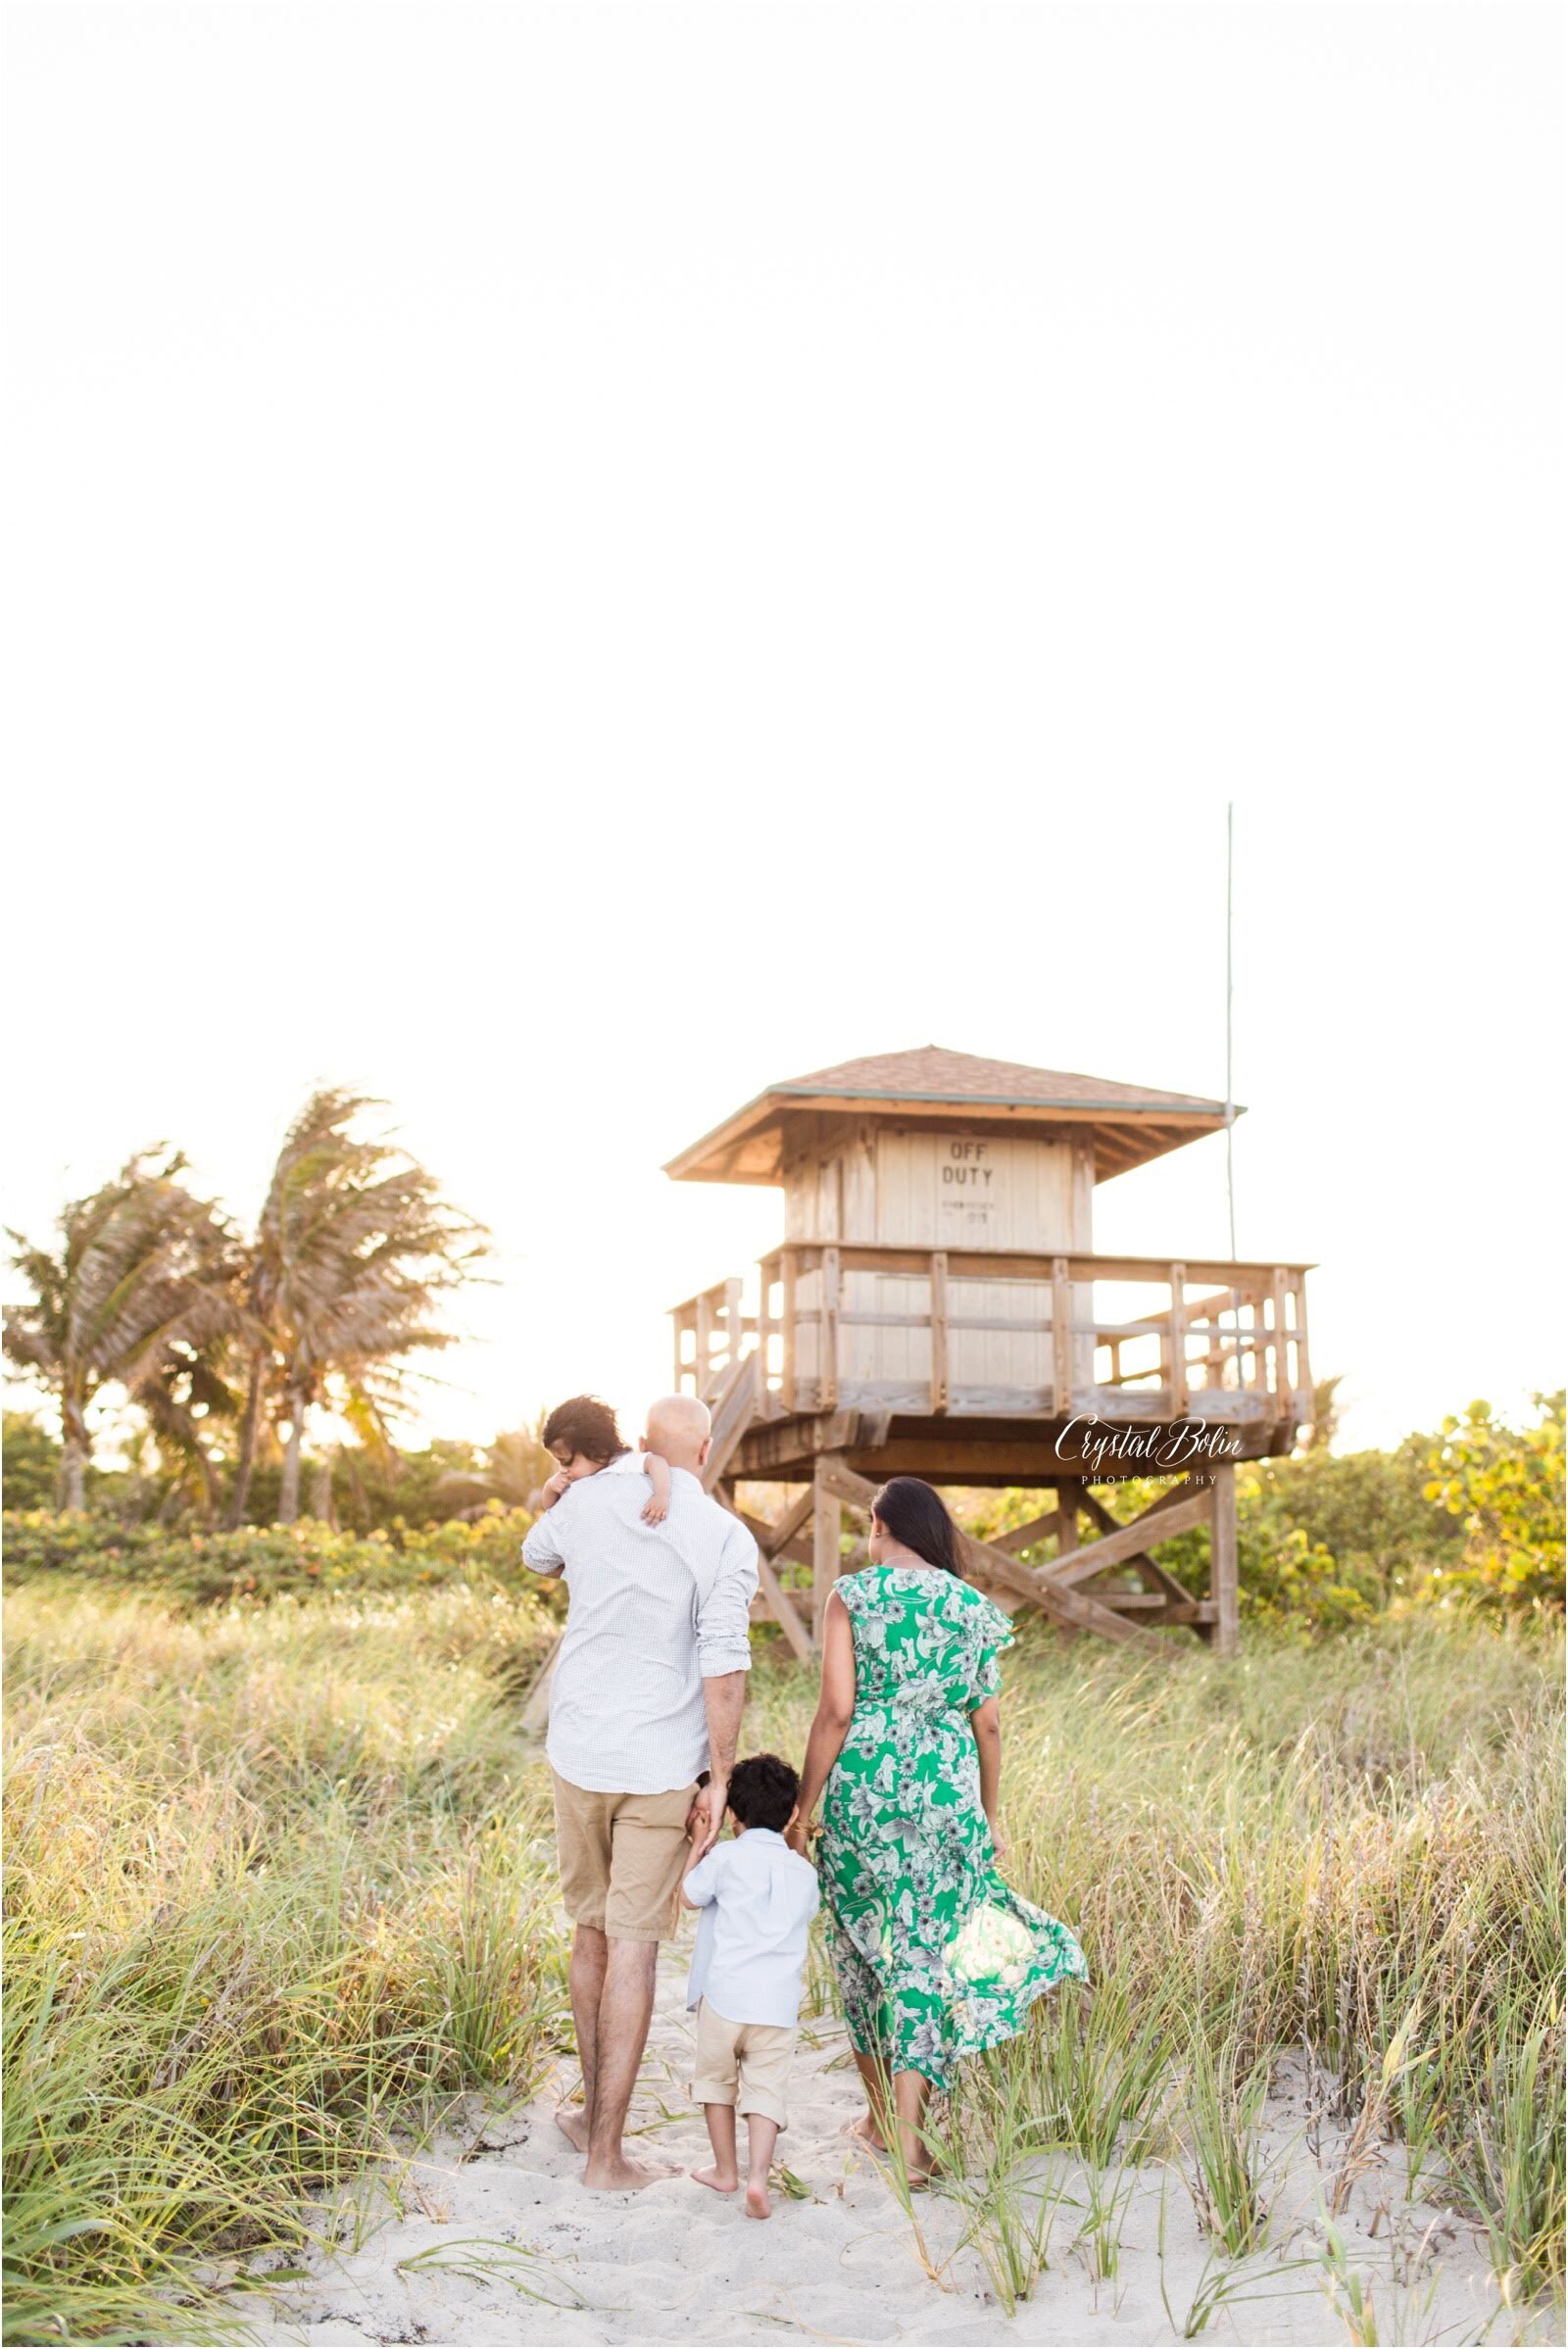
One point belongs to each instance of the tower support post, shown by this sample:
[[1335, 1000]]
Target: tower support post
[[1227, 1632], [826, 1526]]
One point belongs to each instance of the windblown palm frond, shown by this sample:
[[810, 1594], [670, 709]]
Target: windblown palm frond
[[353, 1248], [145, 1279]]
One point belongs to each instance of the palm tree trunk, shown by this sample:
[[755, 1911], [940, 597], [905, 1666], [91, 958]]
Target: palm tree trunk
[[288, 1498], [321, 1490], [209, 1477], [249, 1429], [71, 1490]]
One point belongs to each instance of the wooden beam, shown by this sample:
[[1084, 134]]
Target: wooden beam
[[961, 1450], [1303, 1368], [790, 1524], [1282, 1386], [827, 1334], [1225, 1592], [1061, 1337], [1153, 1574], [939, 1333], [1024, 1536], [734, 1408], [789, 1387], [782, 1609], [764, 1330], [825, 1554], [1178, 1343], [986, 1562], [832, 1475], [1069, 1493], [1114, 1549], [794, 1548], [704, 1342], [1015, 1264], [1064, 1605]]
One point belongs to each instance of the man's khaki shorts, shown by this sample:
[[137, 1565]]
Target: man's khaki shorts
[[744, 2064], [621, 1858]]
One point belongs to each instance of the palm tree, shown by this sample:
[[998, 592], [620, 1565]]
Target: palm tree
[[354, 1246], [190, 1392], [142, 1283], [511, 1470]]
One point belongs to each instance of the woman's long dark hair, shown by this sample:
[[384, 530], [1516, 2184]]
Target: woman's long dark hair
[[918, 1516]]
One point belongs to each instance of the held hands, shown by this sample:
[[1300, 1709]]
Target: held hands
[[706, 1817], [797, 1836]]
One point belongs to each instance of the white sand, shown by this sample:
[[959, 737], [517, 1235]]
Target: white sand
[[677, 2262]]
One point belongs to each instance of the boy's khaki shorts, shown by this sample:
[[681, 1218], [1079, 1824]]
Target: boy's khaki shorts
[[621, 1858], [744, 2064]]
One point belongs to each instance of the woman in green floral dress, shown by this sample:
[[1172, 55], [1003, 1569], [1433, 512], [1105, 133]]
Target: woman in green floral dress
[[936, 1956]]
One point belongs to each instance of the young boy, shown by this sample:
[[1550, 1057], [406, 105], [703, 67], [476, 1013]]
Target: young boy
[[757, 1899], [583, 1437]]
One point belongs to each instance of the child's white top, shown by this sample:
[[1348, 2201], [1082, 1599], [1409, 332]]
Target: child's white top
[[627, 1464], [757, 1899]]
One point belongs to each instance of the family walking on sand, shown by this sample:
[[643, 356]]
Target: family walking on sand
[[936, 1956]]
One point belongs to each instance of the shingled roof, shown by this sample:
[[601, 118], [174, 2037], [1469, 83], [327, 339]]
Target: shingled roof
[[931, 1073], [1126, 1124]]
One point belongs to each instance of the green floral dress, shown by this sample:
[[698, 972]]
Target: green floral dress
[[936, 1956]]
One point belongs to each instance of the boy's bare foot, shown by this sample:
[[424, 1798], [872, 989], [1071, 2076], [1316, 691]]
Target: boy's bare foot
[[758, 2205], [716, 2178], [572, 2121], [623, 2175]]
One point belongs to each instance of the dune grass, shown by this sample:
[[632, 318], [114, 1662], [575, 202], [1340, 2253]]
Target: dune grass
[[276, 1876], [281, 1878], [1353, 1848]]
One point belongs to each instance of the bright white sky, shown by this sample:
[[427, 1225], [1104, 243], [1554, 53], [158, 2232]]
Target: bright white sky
[[568, 561]]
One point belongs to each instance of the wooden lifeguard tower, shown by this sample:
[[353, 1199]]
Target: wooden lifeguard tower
[[936, 1306]]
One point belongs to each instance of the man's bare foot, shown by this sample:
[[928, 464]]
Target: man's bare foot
[[716, 2178], [622, 2175], [866, 2133], [758, 2205], [572, 2121]]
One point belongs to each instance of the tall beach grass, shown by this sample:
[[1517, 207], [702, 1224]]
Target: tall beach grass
[[278, 1877], [282, 1876], [1355, 1850]]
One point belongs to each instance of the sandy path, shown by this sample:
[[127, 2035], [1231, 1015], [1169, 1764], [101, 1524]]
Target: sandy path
[[677, 2262]]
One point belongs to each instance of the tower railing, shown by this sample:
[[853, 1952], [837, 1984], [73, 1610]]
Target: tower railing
[[1127, 1338]]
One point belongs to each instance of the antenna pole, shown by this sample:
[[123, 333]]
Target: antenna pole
[[1230, 1090]]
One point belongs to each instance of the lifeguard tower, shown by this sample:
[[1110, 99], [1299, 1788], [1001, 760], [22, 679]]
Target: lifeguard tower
[[936, 1306]]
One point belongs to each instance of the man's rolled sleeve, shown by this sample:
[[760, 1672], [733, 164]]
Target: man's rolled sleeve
[[540, 1549], [723, 1635]]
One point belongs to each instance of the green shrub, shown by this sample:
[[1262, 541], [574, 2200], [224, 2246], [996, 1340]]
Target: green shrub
[[264, 1561], [31, 1462], [1505, 1484], [1371, 1511]]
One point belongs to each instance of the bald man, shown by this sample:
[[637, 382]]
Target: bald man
[[647, 1694]]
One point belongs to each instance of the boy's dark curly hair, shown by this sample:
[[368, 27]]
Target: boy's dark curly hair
[[586, 1425], [762, 1792]]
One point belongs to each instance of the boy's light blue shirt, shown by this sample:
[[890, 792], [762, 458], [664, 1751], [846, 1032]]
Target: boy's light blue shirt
[[757, 1899]]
